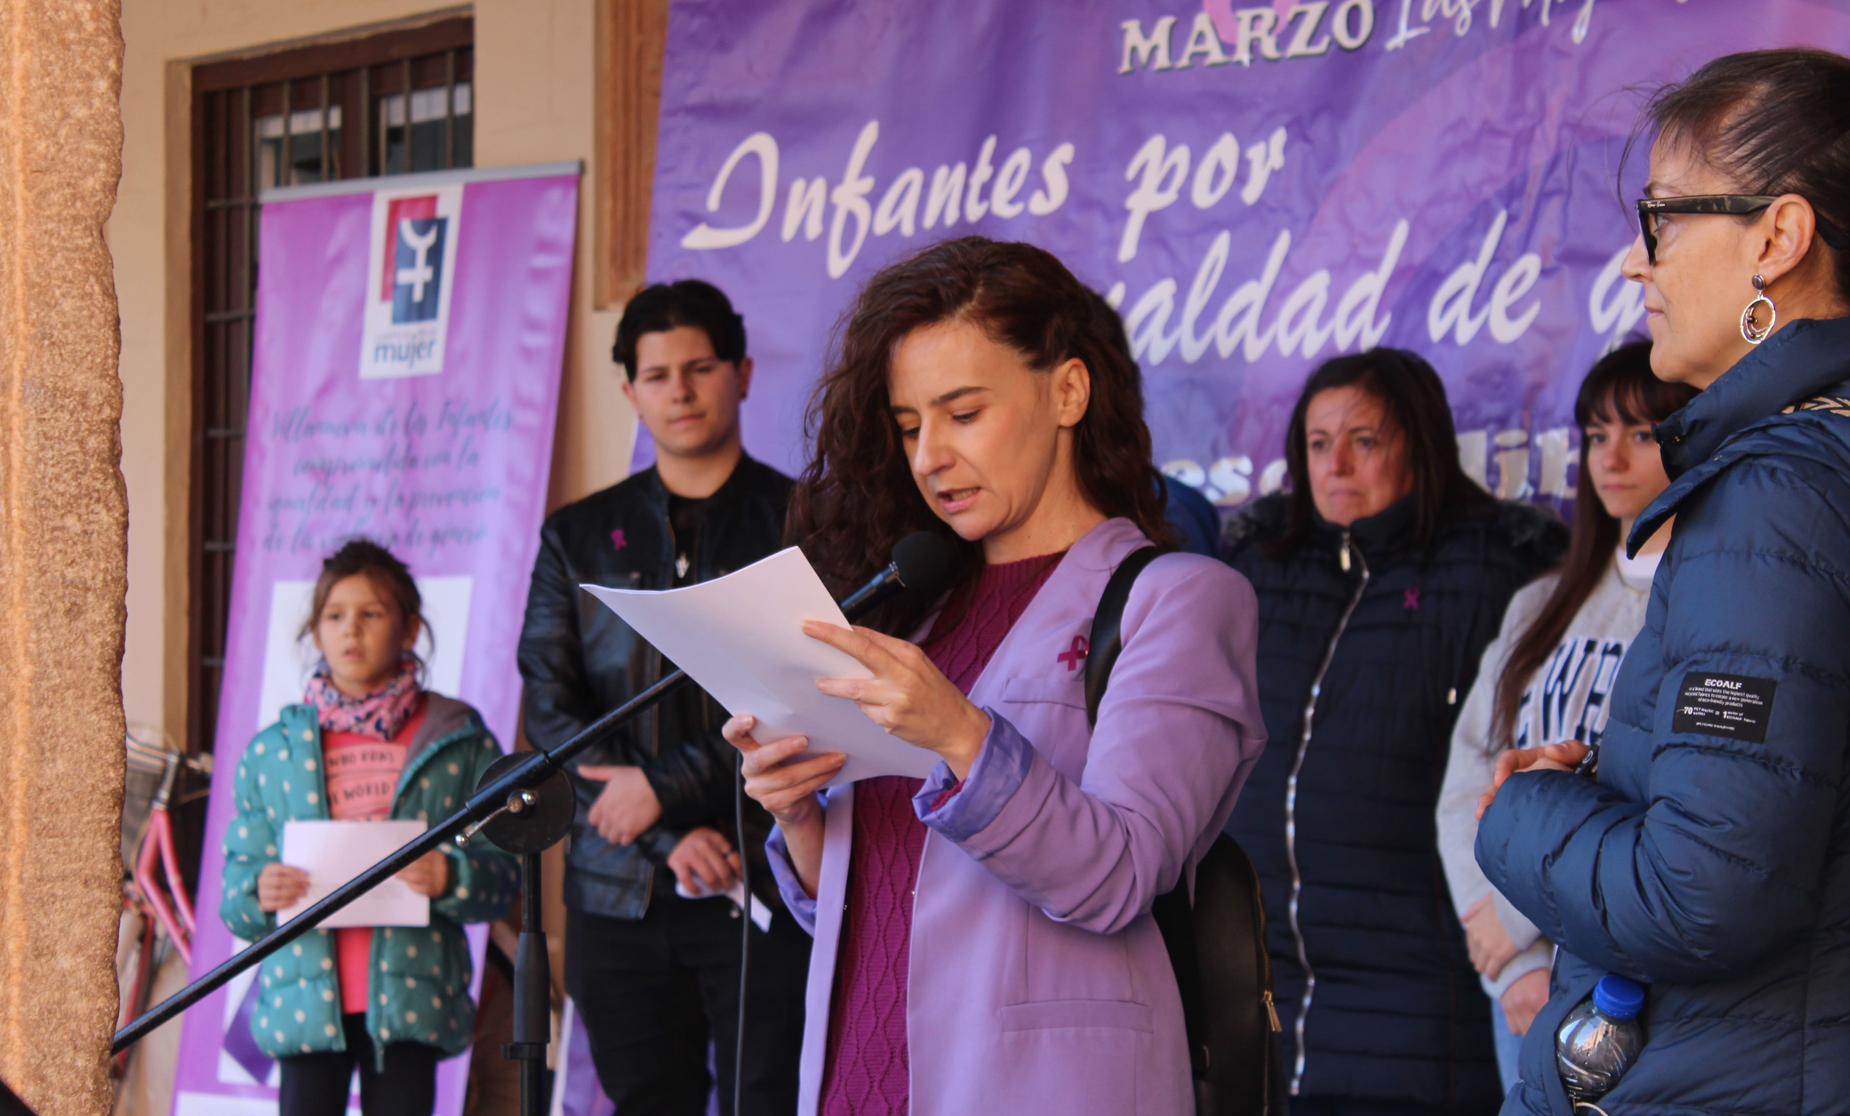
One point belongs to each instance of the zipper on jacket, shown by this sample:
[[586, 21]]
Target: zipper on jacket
[[1347, 557], [655, 714]]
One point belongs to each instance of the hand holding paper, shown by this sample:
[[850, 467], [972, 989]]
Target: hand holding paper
[[741, 638], [279, 886], [428, 875], [908, 696], [333, 852], [781, 775]]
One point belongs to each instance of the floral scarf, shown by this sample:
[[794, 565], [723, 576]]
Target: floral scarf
[[381, 714]]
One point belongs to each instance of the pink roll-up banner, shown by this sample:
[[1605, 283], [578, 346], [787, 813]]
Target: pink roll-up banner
[[404, 387]]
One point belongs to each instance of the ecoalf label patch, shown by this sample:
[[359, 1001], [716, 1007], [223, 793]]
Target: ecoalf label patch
[[1730, 705]]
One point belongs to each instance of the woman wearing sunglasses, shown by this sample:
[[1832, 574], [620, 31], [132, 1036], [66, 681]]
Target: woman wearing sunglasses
[[1708, 855]]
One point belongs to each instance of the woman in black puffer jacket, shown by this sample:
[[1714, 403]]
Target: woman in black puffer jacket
[[1381, 575]]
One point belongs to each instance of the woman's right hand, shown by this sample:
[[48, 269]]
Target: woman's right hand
[[1564, 756], [279, 886], [784, 785]]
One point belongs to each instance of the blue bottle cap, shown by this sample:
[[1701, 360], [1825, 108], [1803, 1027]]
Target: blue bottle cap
[[1618, 996]]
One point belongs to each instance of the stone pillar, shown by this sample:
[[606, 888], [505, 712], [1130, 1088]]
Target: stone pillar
[[63, 548]]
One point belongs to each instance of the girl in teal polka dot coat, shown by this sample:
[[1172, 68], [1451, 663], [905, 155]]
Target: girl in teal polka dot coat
[[368, 742]]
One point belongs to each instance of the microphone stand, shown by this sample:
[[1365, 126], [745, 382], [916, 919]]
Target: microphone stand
[[525, 805]]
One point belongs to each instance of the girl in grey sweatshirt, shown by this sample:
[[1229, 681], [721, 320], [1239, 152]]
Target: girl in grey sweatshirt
[[1546, 676]]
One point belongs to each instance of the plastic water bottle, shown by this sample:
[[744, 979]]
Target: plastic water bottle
[[1600, 1039]]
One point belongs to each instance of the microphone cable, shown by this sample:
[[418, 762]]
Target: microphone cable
[[745, 929], [921, 562]]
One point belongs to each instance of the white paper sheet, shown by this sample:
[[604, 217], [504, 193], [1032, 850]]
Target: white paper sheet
[[333, 852], [741, 638], [761, 914]]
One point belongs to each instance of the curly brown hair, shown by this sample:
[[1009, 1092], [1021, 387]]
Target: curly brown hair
[[857, 497]]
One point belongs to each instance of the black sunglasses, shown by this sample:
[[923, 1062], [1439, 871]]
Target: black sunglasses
[[1739, 205]]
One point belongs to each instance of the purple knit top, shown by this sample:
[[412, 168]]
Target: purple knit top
[[867, 1072]]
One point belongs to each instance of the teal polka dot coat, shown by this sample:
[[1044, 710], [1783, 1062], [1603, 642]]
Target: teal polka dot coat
[[419, 991]]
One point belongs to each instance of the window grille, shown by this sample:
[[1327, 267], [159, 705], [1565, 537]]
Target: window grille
[[384, 103]]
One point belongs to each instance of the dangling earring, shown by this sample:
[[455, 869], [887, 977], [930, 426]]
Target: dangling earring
[[1751, 331]]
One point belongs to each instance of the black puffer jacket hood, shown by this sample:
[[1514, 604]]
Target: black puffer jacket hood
[[1381, 638]]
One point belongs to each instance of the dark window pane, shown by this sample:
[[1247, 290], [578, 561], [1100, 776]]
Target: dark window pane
[[427, 129]]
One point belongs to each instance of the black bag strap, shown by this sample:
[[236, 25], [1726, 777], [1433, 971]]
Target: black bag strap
[[1171, 911], [1218, 942], [1106, 641]]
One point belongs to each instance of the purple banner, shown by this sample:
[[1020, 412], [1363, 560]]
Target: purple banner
[[404, 386], [1257, 188]]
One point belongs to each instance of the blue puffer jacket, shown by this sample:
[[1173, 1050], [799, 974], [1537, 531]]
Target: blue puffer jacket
[[1711, 858]]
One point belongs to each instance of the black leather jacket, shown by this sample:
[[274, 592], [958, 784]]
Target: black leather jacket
[[579, 662]]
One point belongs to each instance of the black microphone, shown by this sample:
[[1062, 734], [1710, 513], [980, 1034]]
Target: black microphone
[[921, 562]]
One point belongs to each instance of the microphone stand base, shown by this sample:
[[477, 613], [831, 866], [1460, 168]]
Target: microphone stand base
[[533, 821]]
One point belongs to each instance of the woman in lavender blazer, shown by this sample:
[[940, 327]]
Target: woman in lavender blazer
[[983, 942]]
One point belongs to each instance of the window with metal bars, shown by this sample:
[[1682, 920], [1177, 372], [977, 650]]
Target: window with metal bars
[[385, 103]]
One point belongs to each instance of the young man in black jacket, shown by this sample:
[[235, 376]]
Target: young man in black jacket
[[655, 975]]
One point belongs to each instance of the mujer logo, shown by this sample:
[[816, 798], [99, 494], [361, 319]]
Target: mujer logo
[[411, 269]]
